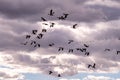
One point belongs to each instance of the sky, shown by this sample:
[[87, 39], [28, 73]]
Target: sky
[[98, 25]]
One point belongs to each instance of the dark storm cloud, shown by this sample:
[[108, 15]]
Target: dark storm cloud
[[33, 10]]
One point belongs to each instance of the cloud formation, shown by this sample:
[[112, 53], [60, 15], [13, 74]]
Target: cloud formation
[[19, 19]]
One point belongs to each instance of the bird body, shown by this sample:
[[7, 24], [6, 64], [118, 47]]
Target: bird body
[[34, 32], [28, 36], [60, 49], [70, 41], [51, 13], [65, 15], [43, 19], [118, 52], [74, 26]]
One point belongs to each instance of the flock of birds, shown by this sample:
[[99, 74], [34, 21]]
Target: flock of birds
[[40, 36]]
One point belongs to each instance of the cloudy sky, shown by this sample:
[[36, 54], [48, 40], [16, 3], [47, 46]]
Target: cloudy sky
[[98, 25]]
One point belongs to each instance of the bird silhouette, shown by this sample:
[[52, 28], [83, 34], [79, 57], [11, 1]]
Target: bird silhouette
[[60, 49], [83, 49], [34, 32], [39, 36], [28, 36], [61, 18], [24, 43], [52, 44], [87, 53], [65, 15], [59, 75], [33, 42], [70, 50], [43, 19], [107, 50], [92, 66], [45, 23], [74, 26], [70, 41], [52, 25], [38, 45], [86, 45], [118, 52], [50, 72], [51, 13], [44, 30]]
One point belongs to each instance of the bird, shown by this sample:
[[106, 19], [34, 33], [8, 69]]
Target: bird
[[45, 23], [24, 43], [70, 50], [70, 41], [60, 49], [28, 36], [51, 44], [59, 75], [65, 15], [74, 26], [61, 18], [118, 52], [34, 32], [87, 53], [40, 36], [77, 49], [82, 49], [50, 72], [33, 42], [38, 45], [107, 50], [93, 66], [44, 30], [43, 19], [52, 25], [51, 13], [86, 45]]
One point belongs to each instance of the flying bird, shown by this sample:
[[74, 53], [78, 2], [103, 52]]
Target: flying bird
[[52, 25], [44, 30], [65, 15], [87, 53], [118, 52], [86, 45], [93, 66], [28, 36], [40, 36], [51, 13], [45, 23], [33, 42], [24, 43], [43, 19], [70, 50], [70, 41], [52, 44], [74, 26], [34, 32], [59, 75], [60, 49], [50, 72], [107, 50], [61, 18]]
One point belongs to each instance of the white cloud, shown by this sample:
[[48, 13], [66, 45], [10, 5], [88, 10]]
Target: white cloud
[[41, 60], [91, 77]]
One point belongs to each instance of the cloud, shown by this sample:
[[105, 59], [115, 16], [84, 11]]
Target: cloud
[[21, 17], [7, 74], [91, 77], [26, 59], [34, 10]]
